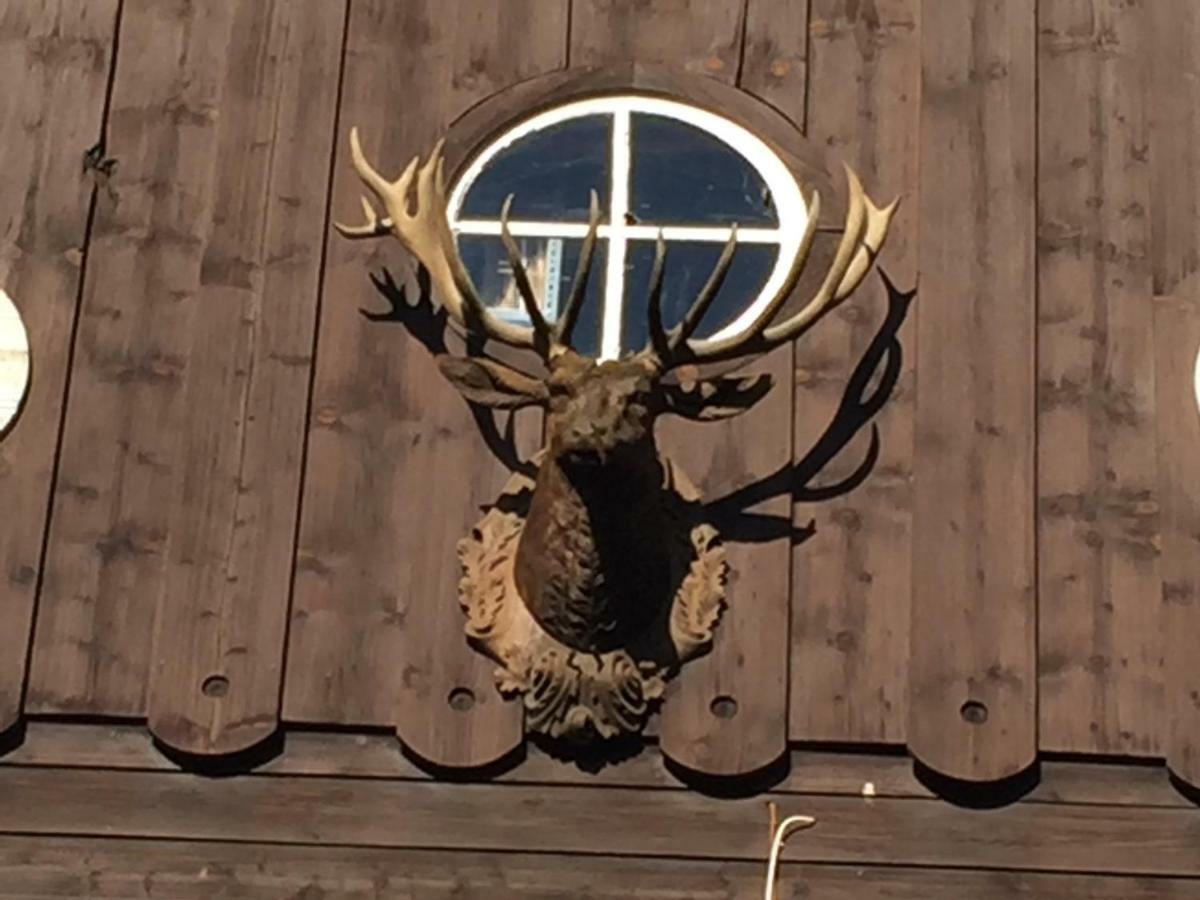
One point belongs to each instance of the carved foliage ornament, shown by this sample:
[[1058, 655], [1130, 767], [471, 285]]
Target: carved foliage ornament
[[593, 581]]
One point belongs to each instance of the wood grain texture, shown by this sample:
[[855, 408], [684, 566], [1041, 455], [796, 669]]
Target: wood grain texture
[[974, 604], [397, 467], [1177, 343], [749, 658], [122, 450], [1175, 233], [682, 824], [66, 867], [701, 37], [222, 611], [852, 579], [1099, 628], [54, 63], [175, 507], [1174, 96]]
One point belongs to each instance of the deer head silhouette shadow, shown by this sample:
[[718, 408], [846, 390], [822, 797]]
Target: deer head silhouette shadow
[[868, 388]]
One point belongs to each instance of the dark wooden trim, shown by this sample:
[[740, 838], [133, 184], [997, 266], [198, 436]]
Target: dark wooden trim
[[807, 161], [577, 820], [378, 756], [121, 867]]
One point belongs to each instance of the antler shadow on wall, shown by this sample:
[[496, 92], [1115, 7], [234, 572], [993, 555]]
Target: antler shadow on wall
[[857, 407], [865, 395]]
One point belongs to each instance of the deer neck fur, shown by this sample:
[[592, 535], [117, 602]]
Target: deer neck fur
[[592, 561]]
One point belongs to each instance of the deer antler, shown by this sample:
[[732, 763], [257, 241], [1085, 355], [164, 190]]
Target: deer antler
[[425, 233], [865, 231]]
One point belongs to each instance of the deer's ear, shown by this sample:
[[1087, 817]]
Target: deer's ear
[[492, 384], [711, 399]]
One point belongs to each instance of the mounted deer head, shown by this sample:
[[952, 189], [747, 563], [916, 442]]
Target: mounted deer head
[[608, 548]]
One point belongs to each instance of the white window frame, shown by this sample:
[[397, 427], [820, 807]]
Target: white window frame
[[14, 362], [785, 192]]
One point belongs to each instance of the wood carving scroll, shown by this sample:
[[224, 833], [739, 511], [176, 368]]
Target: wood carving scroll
[[592, 582]]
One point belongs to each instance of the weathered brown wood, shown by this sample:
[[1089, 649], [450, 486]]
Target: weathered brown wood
[[1174, 202], [182, 441], [75, 745], [851, 580], [1174, 51], [217, 668], [726, 714], [774, 65], [398, 468], [65, 867], [370, 812], [121, 445], [54, 64], [700, 37], [1099, 627], [972, 680], [1176, 345]]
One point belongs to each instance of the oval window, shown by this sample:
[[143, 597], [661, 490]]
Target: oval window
[[14, 362], [655, 164]]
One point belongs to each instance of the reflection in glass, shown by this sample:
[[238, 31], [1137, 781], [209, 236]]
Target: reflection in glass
[[551, 264], [684, 175], [551, 171], [689, 265]]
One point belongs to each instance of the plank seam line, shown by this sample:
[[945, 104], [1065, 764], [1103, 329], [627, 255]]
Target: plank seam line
[[569, 26], [68, 374], [430, 781], [302, 481], [584, 854], [743, 37]]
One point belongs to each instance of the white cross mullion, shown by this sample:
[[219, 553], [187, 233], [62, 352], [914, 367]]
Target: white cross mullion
[[614, 281], [712, 234]]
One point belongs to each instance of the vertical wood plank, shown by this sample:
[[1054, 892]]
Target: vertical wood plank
[[702, 37], [217, 668], [54, 64], [120, 452], [749, 659], [972, 682], [1175, 232], [397, 469], [852, 579], [1099, 627], [180, 466], [1174, 50], [1177, 343]]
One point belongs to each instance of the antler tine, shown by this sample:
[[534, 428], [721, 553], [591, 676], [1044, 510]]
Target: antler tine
[[865, 230], [753, 332], [543, 337], [873, 234], [704, 300], [570, 314], [659, 341], [426, 234]]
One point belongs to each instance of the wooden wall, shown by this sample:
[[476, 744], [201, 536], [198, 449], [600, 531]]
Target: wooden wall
[[99, 812], [233, 498]]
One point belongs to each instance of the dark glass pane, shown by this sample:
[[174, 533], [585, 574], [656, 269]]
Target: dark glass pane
[[683, 175], [551, 172], [689, 263], [551, 264]]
